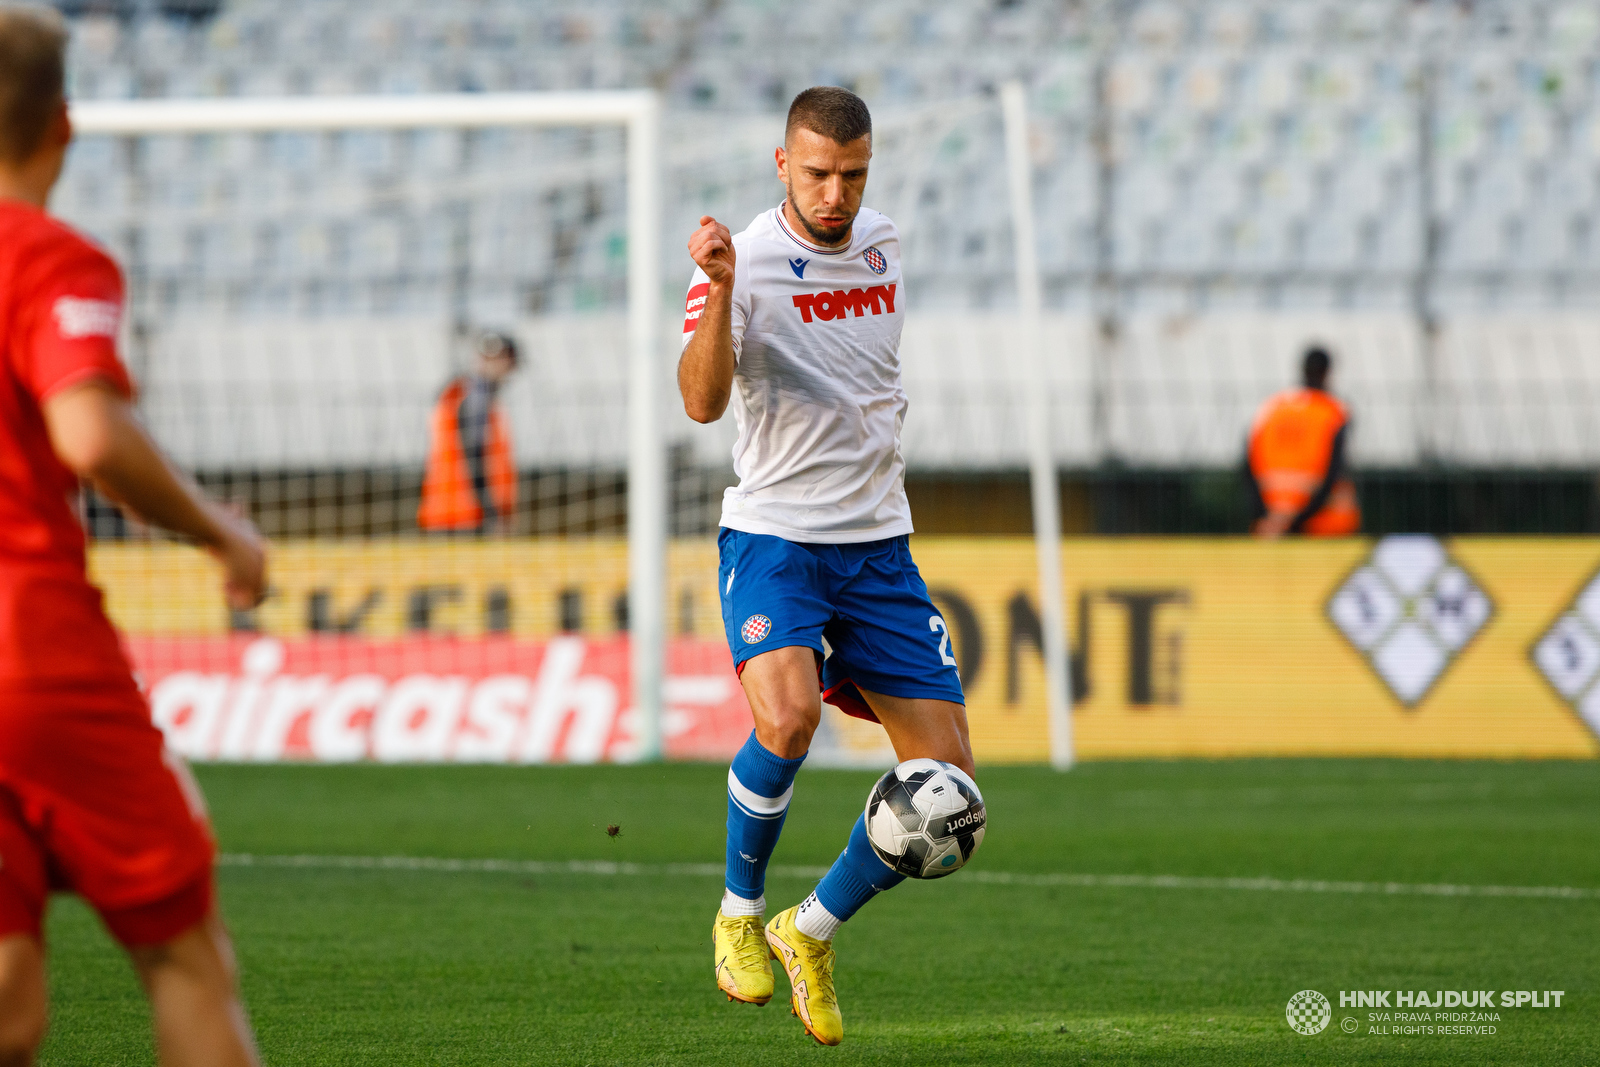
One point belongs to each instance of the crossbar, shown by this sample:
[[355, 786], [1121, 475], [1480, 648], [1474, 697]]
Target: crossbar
[[267, 114]]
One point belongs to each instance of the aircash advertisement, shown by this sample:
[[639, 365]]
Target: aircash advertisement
[[516, 651]]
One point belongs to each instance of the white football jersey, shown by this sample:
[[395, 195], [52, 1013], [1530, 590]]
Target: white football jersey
[[816, 389]]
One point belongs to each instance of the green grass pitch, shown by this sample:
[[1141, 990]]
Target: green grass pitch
[[434, 967]]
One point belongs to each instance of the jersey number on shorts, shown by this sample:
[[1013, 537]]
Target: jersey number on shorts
[[936, 624]]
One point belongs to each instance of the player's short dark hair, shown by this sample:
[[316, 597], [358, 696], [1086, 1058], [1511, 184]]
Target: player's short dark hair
[[1314, 368], [837, 114], [33, 45]]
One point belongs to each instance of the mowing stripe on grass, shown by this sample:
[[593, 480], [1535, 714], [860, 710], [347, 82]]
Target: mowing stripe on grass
[[1083, 881]]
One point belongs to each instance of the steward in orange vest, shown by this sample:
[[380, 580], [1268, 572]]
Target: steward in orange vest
[[471, 480], [1296, 461]]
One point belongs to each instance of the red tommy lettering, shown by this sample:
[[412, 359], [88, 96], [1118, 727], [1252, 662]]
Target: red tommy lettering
[[839, 303], [858, 300], [693, 305]]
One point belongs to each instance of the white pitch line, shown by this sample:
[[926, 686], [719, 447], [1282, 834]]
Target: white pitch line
[[1080, 881]]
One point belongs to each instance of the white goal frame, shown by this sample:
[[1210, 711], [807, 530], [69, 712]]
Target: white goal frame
[[639, 113], [1041, 458]]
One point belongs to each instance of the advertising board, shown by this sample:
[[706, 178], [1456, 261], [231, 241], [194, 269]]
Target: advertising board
[[514, 650]]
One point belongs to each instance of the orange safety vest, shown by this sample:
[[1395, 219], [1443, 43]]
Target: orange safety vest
[[448, 499], [1291, 445]]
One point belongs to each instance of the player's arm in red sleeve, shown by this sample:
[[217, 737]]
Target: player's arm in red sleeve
[[70, 364], [94, 431]]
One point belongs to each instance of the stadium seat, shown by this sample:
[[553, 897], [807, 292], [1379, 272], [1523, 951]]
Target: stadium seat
[[1271, 141]]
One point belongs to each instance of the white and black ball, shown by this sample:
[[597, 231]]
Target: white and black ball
[[925, 818]]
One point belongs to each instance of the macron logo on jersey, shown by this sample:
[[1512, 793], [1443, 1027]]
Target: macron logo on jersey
[[82, 317], [799, 267], [834, 305], [694, 306]]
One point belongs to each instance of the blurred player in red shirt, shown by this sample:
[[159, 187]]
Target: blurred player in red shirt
[[90, 799]]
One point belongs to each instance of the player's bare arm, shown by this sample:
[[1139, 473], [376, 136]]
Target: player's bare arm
[[705, 371], [96, 434]]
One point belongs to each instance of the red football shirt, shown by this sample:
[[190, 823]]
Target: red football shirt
[[60, 307]]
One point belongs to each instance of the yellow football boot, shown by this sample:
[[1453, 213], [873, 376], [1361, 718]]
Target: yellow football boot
[[741, 954], [809, 964]]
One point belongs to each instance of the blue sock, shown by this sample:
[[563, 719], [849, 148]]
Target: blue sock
[[856, 876], [759, 787]]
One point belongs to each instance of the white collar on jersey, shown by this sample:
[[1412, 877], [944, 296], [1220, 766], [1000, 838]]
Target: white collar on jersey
[[783, 223]]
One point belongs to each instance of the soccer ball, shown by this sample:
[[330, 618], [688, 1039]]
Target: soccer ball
[[925, 818]]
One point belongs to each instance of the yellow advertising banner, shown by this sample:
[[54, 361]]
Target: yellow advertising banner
[[1486, 647]]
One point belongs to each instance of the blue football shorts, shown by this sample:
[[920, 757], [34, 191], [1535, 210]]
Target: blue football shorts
[[863, 608]]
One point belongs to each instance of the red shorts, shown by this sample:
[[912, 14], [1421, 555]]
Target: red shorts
[[91, 801]]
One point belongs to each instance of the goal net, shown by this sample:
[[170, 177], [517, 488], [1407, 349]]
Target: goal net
[[319, 294]]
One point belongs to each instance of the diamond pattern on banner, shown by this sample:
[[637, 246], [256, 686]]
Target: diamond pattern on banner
[[1409, 561], [1568, 654], [1365, 608], [1589, 708], [1410, 609], [1409, 661], [1454, 607], [1588, 604]]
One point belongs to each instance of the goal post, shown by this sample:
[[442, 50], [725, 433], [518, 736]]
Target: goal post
[[1042, 465], [639, 114]]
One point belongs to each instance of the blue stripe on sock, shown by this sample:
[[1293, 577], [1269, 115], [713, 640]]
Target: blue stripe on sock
[[751, 835]]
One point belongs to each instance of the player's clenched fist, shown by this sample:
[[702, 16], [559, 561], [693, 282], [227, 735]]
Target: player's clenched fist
[[711, 248], [705, 372]]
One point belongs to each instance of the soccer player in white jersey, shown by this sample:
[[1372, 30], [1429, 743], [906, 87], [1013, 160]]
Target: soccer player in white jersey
[[795, 324]]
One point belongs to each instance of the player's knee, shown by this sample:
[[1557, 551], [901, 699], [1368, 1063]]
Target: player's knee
[[789, 741], [786, 731]]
